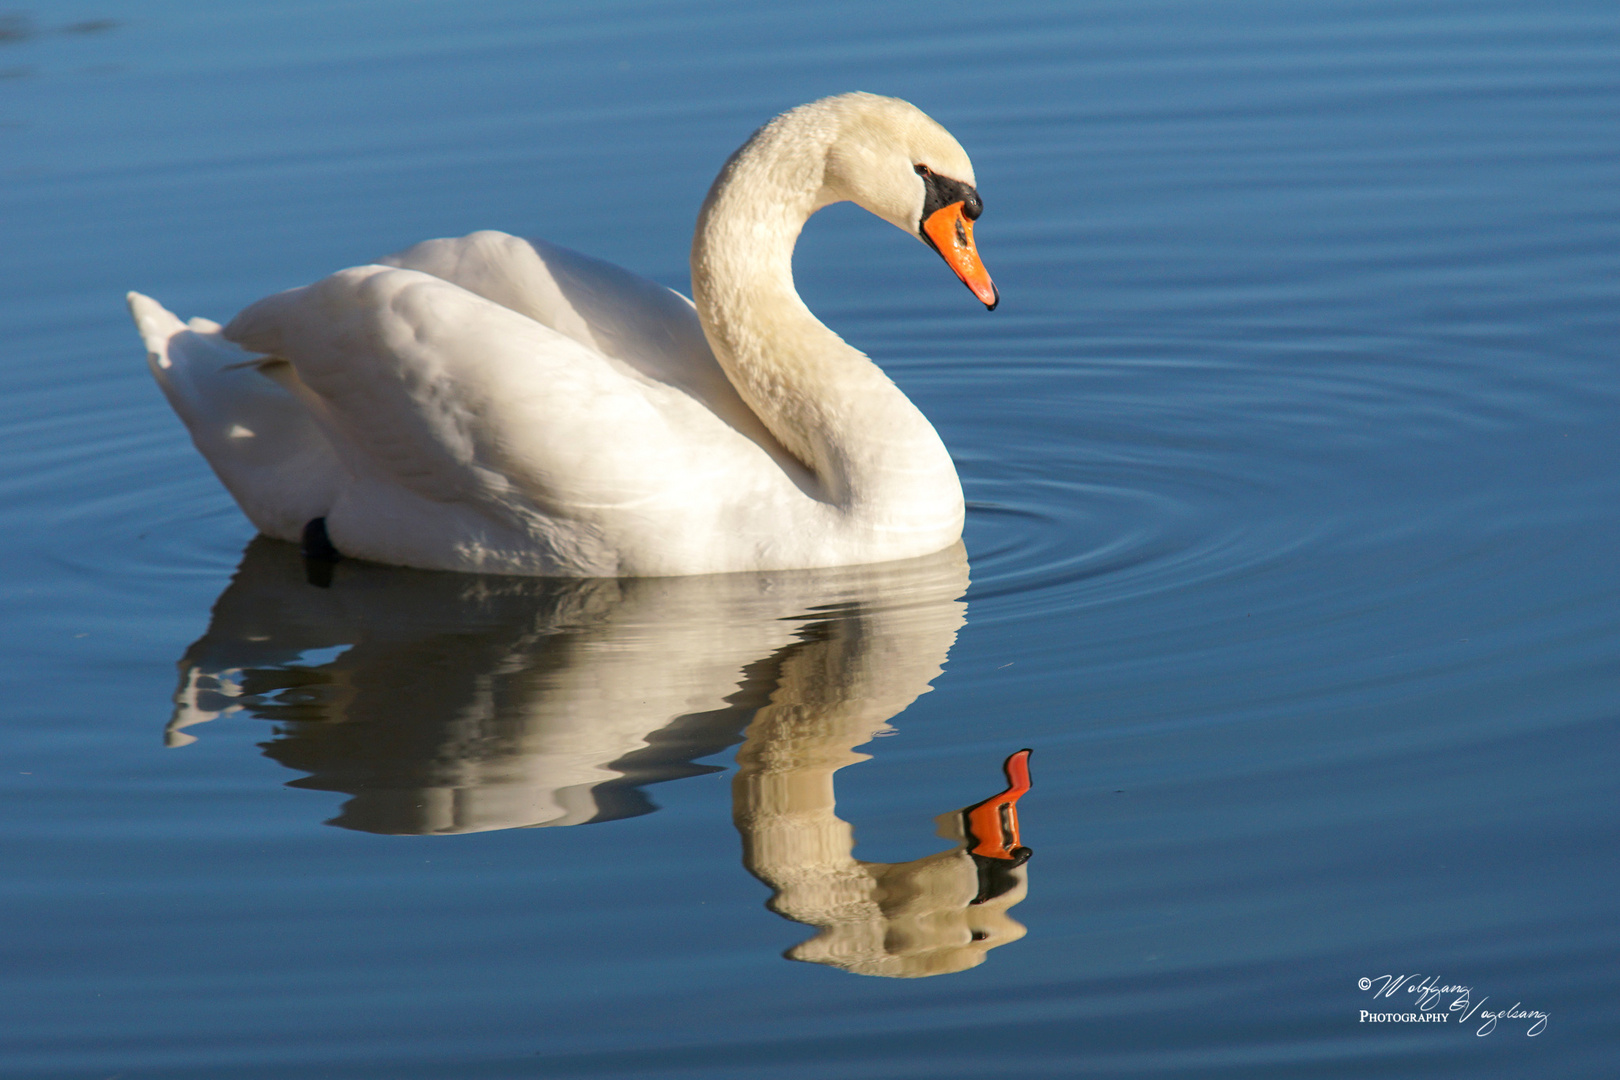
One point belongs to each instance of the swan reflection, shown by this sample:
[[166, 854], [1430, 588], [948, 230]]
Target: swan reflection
[[446, 703]]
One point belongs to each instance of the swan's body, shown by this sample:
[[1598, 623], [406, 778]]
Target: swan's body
[[501, 405]]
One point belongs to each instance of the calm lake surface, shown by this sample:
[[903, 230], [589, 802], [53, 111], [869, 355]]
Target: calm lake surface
[[1293, 459]]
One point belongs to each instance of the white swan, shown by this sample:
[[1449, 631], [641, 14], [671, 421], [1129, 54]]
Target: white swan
[[503, 405]]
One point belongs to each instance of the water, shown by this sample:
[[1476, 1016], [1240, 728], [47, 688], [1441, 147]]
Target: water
[[1292, 459]]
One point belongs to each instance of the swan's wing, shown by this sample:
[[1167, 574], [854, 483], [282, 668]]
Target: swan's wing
[[258, 437], [605, 307], [428, 390]]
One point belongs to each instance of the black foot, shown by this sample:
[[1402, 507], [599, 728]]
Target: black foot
[[315, 544], [319, 554]]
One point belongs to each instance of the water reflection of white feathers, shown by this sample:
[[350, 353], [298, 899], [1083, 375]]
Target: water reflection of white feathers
[[445, 703]]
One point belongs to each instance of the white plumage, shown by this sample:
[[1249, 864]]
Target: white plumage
[[502, 405]]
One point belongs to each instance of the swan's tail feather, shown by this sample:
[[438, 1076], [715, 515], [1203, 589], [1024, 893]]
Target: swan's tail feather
[[157, 325], [259, 438]]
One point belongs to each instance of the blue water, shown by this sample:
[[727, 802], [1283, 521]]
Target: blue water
[[1293, 459]]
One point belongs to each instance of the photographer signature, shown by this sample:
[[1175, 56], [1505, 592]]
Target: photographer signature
[[1429, 992]]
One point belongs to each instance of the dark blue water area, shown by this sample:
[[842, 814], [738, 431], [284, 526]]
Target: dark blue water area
[[1293, 466]]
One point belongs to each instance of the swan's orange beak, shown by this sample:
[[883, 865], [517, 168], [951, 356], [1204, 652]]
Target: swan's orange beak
[[950, 232]]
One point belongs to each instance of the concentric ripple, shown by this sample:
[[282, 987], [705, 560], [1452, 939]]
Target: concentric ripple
[[1096, 480]]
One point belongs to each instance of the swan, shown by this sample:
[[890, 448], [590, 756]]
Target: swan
[[501, 405]]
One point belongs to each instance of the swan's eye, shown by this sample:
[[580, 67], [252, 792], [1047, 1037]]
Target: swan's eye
[[924, 171]]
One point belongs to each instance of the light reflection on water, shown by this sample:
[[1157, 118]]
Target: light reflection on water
[[1291, 459]]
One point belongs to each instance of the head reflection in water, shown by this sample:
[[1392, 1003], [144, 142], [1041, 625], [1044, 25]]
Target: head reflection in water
[[931, 916], [446, 703]]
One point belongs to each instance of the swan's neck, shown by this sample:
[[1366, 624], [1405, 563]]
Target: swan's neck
[[874, 454]]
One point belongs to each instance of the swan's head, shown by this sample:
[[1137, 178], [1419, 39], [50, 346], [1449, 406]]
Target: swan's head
[[893, 159]]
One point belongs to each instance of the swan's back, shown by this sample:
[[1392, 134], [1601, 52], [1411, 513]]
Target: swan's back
[[624, 316]]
